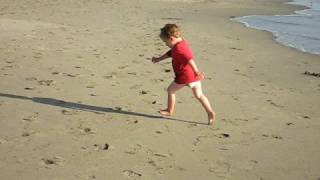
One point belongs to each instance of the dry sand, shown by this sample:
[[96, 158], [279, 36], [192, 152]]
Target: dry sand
[[79, 96]]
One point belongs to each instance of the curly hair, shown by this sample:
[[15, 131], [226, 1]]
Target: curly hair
[[170, 30]]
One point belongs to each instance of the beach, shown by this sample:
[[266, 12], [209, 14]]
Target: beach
[[79, 95], [299, 30]]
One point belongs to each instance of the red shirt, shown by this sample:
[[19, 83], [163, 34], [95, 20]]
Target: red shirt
[[181, 55]]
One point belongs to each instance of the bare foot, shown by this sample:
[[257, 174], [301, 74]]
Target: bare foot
[[211, 118], [165, 112]]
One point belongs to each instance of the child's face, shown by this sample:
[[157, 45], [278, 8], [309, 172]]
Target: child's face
[[168, 42]]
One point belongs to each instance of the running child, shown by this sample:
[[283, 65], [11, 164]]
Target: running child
[[185, 70]]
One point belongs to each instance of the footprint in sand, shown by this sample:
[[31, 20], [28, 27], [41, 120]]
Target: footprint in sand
[[220, 168], [234, 48], [274, 104], [198, 140], [162, 155], [25, 134], [250, 165], [55, 73], [71, 75], [143, 92], [312, 74], [289, 124], [158, 169], [102, 147], [222, 135], [66, 112], [48, 161], [276, 137], [152, 163], [79, 57], [134, 149], [236, 121], [132, 73], [306, 117], [136, 86], [30, 88], [172, 18], [10, 66], [236, 98], [273, 136], [157, 80], [159, 132], [132, 121], [108, 76], [131, 174], [123, 67], [51, 33], [52, 161], [118, 108], [90, 86], [86, 131], [46, 82], [181, 168], [191, 125], [37, 55], [241, 119], [9, 61], [31, 117], [31, 79]]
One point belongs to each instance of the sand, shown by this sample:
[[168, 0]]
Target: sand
[[79, 95]]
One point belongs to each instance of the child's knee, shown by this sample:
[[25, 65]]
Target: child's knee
[[170, 90], [198, 95]]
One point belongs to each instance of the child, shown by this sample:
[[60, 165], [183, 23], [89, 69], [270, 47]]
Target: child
[[185, 69]]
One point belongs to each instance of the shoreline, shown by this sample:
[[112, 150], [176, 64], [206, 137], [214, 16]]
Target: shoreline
[[277, 33]]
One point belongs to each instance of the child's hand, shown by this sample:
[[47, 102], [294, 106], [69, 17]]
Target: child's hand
[[155, 60], [200, 75]]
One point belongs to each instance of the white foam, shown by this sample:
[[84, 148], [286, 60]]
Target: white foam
[[300, 30]]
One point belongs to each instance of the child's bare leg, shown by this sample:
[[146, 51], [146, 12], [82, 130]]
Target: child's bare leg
[[173, 87], [197, 91]]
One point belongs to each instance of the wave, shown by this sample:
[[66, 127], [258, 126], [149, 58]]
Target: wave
[[300, 30]]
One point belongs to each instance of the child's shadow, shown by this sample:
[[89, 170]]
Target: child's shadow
[[84, 107]]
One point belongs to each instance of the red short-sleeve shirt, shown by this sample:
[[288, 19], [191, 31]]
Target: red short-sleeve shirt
[[181, 55]]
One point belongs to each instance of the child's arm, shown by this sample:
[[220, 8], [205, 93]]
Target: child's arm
[[196, 70], [163, 57]]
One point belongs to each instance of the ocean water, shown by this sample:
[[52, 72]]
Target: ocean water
[[300, 30]]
